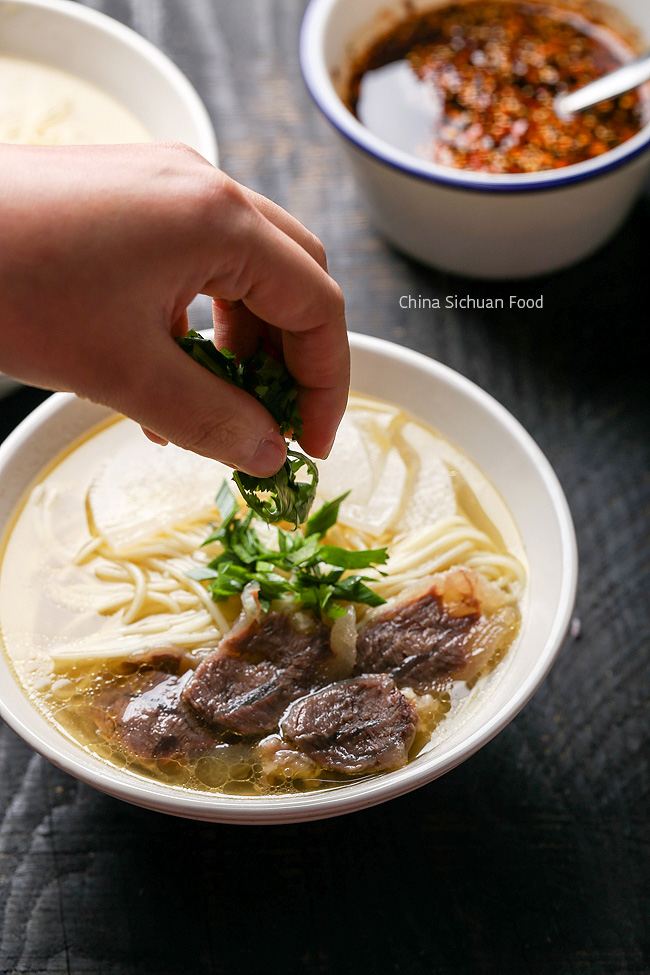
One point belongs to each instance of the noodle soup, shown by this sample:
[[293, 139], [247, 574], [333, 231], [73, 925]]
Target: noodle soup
[[44, 106], [132, 658]]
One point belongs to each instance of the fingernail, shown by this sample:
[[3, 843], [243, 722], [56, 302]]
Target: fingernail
[[328, 449], [154, 437], [268, 459]]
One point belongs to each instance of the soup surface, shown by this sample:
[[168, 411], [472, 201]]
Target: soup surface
[[42, 105], [259, 694], [472, 86]]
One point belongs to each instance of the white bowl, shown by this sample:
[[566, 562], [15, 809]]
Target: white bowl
[[74, 38], [477, 224], [507, 455], [100, 50]]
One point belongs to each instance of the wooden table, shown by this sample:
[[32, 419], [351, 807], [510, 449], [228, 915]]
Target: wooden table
[[532, 857]]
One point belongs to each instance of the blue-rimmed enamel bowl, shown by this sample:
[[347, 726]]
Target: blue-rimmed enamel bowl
[[479, 224]]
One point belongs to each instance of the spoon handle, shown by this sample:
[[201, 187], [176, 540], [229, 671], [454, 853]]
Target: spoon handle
[[624, 79]]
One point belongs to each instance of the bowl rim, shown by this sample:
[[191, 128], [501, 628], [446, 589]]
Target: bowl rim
[[321, 88], [48, 741], [71, 9]]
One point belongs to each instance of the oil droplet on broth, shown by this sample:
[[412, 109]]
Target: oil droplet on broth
[[212, 772]]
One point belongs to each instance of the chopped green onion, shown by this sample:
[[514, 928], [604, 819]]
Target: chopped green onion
[[281, 497]]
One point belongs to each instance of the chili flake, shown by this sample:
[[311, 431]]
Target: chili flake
[[493, 69]]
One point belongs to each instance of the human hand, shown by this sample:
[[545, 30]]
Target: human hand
[[102, 248]]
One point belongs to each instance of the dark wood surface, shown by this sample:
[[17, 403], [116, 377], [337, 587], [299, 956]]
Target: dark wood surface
[[531, 857]]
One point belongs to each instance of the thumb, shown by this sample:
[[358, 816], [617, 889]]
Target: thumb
[[194, 409]]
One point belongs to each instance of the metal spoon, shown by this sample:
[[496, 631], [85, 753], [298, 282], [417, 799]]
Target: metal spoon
[[624, 79]]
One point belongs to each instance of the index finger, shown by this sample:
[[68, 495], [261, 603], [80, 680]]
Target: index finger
[[282, 284], [288, 223]]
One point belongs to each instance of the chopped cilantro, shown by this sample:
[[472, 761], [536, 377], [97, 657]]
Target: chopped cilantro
[[281, 497], [300, 567]]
